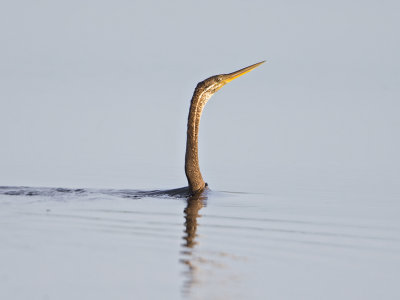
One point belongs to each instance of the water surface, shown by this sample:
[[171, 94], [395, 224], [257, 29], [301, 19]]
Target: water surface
[[127, 244]]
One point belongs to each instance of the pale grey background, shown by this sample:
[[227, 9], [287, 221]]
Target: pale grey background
[[96, 94]]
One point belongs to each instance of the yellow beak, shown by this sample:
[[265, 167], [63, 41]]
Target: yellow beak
[[231, 76]]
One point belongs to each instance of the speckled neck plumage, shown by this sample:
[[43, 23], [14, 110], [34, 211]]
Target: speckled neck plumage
[[192, 168]]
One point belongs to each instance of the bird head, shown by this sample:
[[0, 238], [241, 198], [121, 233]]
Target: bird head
[[214, 83]]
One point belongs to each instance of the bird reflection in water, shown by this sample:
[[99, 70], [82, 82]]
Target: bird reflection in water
[[191, 213]]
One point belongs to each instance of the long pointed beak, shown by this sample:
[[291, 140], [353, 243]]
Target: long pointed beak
[[231, 76]]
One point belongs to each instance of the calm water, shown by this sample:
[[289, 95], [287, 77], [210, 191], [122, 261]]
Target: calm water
[[121, 244]]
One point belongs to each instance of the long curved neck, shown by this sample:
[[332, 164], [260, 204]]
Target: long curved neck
[[192, 168]]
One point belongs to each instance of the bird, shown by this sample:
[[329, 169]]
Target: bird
[[196, 184], [202, 93]]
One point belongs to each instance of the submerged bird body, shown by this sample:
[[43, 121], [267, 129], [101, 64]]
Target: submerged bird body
[[203, 92]]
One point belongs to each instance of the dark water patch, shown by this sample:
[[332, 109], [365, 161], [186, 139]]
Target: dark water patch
[[39, 191], [122, 193]]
